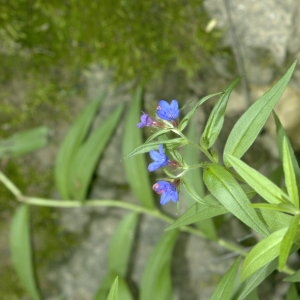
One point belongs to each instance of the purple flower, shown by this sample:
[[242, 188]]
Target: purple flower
[[167, 190], [146, 120], [159, 158], [166, 111]]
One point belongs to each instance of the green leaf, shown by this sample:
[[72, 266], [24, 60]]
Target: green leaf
[[293, 278], [262, 185], [292, 293], [156, 280], [169, 143], [249, 125], [226, 286], [263, 253], [88, 154], [70, 145], [113, 292], [121, 245], [281, 135], [199, 212], [24, 142], [123, 292], [216, 118], [275, 220], [289, 174], [229, 193], [21, 251], [255, 280], [288, 241], [191, 154], [135, 167], [184, 122]]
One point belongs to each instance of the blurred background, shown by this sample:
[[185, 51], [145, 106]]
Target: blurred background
[[55, 56]]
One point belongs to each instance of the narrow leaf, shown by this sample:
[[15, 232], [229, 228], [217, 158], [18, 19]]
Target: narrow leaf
[[70, 145], [281, 135], [121, 245], [292, 293], [169, 143], [263, 253], [287, 241], [24, 142], [135, 167], [156, 280], [228, 192], [113, 292], [289, 174], [262, 185], [293, 278], [199, 212], [255, 280], [216, 118], [184, 122], [107, 285], [226, 286], [21, 251], [249, 125], [275, 220], [86, 158]]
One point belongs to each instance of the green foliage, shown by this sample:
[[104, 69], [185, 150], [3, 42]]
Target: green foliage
[[21, 251], [79, 153], [215, 192], [135, 167], [156, 280]]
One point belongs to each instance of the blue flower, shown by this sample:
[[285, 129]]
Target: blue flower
[[166, 111], [167, 190], [146, 120], [159, 158]]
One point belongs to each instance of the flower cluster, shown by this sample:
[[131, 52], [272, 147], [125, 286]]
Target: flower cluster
[[165, 112]]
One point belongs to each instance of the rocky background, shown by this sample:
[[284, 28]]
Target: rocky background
[[263, 38]]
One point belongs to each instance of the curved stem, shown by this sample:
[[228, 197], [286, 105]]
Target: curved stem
[[110, 203]]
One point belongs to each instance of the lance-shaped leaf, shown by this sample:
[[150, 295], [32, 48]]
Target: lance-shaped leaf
[[24, 142], [109, 283], [289, 174], [156, 280], [216, 118], [288, 241], [281, 135], [226, 286], [136, 167], [262, 185], [293, 278], [199, 212], [169, 143], [255, 280], [249, 125], [121, 245], [184, 122], [113, 292], [227, 191], [70, 145], [21, 251], [88, 154], [263, 253]]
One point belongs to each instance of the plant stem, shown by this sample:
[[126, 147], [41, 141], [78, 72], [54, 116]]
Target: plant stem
[[110, 203]]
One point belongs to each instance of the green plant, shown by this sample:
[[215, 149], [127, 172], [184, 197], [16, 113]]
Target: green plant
[[223, 184]]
